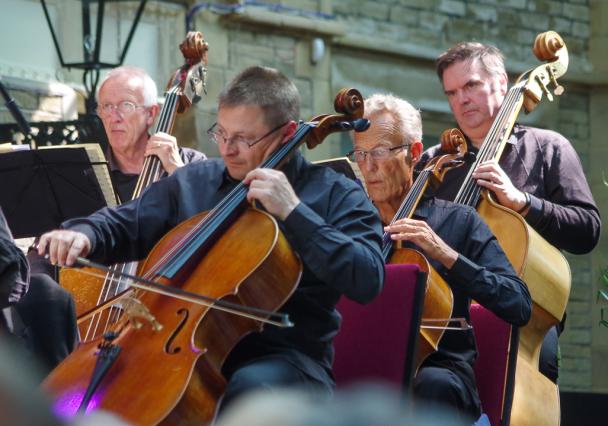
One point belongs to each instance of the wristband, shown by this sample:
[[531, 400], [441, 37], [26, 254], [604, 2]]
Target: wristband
[[528, 202]]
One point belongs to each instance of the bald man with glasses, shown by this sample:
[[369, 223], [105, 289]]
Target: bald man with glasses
[[128, 107]]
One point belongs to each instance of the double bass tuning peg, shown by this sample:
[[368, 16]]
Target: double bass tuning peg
[[558, 88]]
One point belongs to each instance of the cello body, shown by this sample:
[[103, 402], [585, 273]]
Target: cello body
[[252, 265], [547, 273], [438, 303], [210, 281]]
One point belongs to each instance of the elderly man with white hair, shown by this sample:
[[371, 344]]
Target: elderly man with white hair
[[127, 107]]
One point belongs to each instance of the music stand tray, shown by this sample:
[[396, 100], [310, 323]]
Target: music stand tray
[[41, 188]]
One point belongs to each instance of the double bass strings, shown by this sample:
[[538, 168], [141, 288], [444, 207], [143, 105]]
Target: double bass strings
[[470, 191], [152, 170]]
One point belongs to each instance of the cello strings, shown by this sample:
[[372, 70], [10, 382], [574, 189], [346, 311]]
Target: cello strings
[[206, 226], [222, 305]]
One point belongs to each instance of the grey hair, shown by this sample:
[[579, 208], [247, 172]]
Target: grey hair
[[266, 88], [150, 92], [407, 118], [490, 57]]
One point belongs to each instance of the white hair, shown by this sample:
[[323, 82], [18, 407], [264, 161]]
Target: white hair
[[150, 92], [407, 118]]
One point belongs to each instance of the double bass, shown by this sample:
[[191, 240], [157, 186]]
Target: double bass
[[161, 363], [540, 265], [438, 297], [92, 292]]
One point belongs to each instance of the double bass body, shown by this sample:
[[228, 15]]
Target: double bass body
[[546, 271]]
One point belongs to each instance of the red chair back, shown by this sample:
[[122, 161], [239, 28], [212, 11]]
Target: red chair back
[[495, 366], [377, 341]]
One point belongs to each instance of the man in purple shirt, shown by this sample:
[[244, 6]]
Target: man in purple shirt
[[539, 174]]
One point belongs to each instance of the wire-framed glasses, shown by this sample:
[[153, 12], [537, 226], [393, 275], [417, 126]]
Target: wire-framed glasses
[[216, 136], [381, 153], [124, 108]]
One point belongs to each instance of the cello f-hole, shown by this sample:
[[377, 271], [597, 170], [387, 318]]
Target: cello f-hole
[[174, 350]]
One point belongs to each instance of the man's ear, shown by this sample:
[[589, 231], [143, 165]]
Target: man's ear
[[503, 83], [152, 113], [415, 151], [290, 130]]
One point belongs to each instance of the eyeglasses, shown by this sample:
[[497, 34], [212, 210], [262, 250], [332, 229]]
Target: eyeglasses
[[380, 154], [124, 108], [217, 137]]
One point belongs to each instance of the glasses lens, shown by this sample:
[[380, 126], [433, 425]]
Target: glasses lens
[[126, 107], [379, 153]]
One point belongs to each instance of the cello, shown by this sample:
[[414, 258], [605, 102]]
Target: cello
[[438, 298], [91, 290], [177, 345], [540, 265]]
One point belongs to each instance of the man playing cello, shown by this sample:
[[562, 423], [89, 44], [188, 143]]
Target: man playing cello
[[455, 240], [326, 218]]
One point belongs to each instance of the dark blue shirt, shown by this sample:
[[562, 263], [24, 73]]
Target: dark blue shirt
[[335, 230]]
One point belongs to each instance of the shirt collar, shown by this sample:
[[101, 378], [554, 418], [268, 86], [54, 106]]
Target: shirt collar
[[110, 157]]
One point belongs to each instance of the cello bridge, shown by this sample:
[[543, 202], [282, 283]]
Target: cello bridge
[[139, 314]]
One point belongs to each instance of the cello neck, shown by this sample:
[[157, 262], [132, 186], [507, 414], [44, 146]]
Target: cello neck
[[407, 208], [210, 228]]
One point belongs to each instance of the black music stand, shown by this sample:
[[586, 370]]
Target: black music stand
[[39, 189]]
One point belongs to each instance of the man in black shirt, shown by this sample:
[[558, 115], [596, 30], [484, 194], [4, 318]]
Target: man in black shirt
[[455, 240], [127, 108], [326, 218], [539, 174], [14, 277]]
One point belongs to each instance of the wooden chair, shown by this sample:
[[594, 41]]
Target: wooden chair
[[377, 341], [495, 367]]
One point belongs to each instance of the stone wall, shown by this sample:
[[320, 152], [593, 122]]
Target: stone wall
[[390, 45]]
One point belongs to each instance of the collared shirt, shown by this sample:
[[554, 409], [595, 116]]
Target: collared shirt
[[544, 164], [124, 183], [335, 230], [481, 272]]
